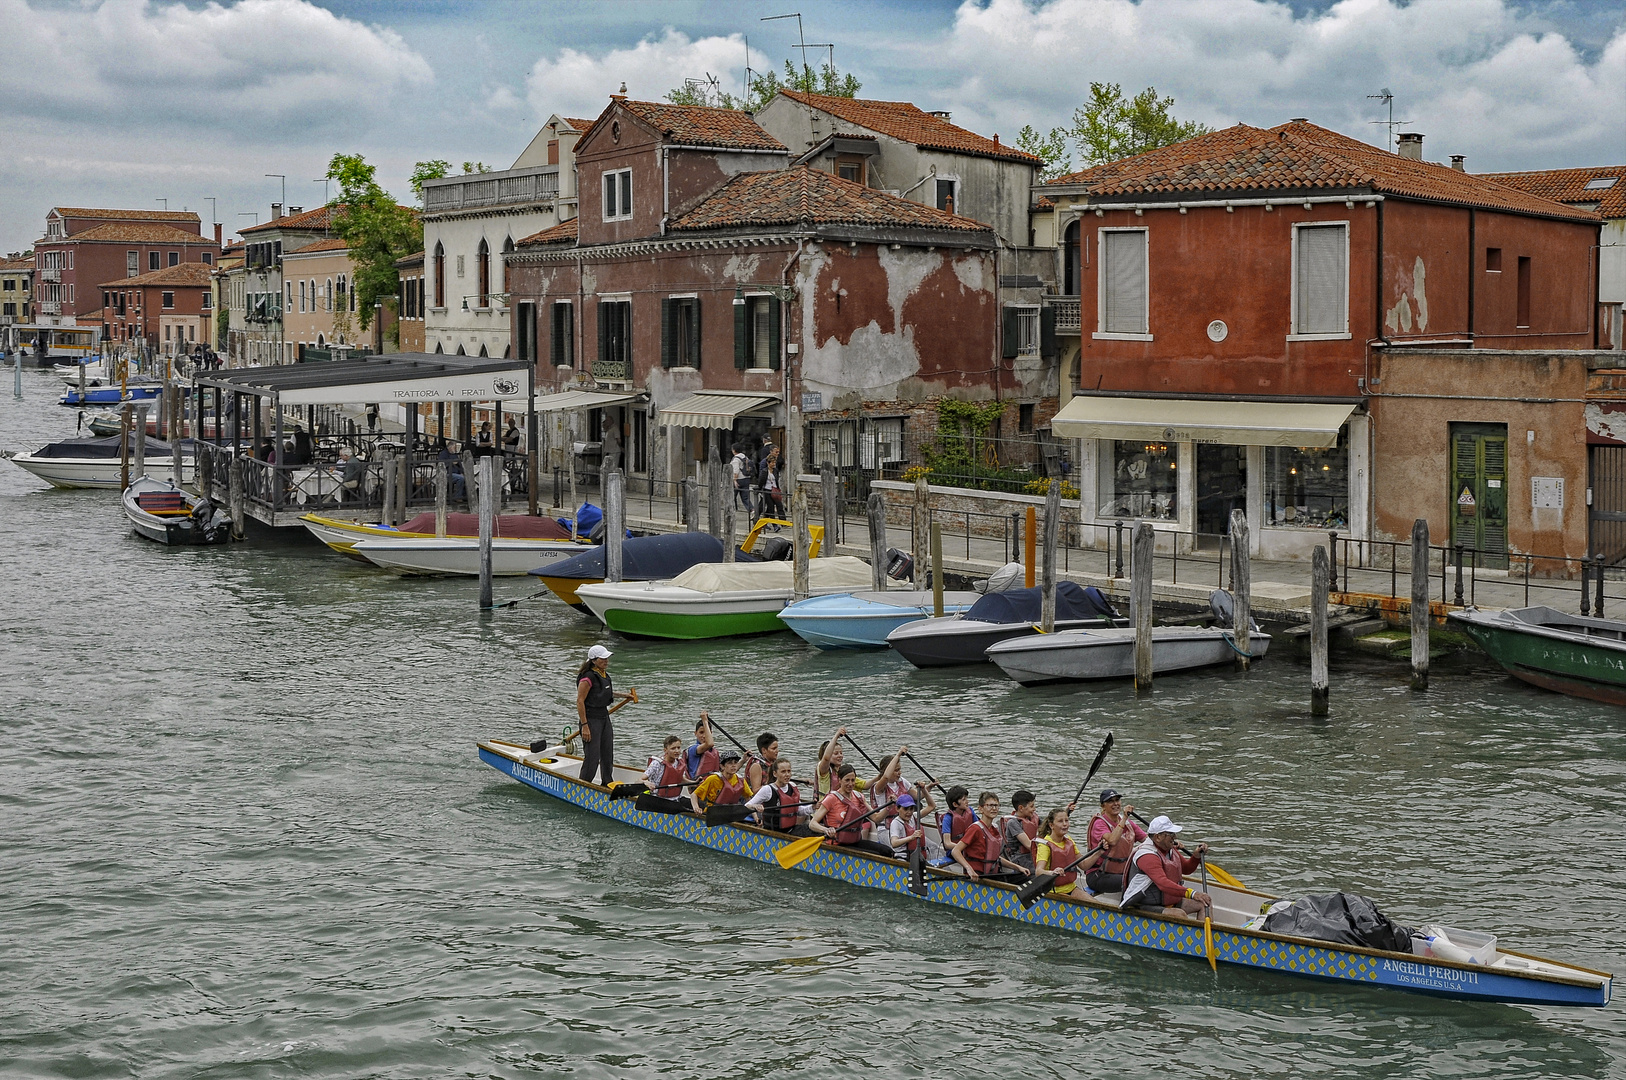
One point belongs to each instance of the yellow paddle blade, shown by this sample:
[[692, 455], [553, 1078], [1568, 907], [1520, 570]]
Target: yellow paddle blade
[[798, 851], [1224, 878], [1208, 943]]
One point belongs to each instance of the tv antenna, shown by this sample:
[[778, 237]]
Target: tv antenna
[[214, 214], [1387, 97], [801, 41]]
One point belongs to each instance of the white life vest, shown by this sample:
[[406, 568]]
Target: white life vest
[[1135, 880]]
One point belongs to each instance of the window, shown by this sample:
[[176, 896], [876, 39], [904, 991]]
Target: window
[[440, 275], [208, 258], [174, 258], [420, 299], [757, 333], [834, 442], [1141, 480], [615, 337], [525, 327], [327, 296], [562, 334], [947, 190], [850, 169], [70, 292], [1026, 325], [1307, 488], [882, 444], [1123, 284], [168, 299], [1524, 291], [1493, 260], [152, 260], [1602, 183], [640, 441], [482, 258], [1070, 268], [70, 258], [301, 297], [1321, 280], [680, 332], [507, 250], [290, 304], [618, 195], [208, 301], [1024, 419]]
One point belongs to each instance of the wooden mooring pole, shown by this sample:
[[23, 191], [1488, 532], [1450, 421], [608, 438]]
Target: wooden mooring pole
[[830, 504], [1419, 604], [729, 528], [140, 467], [203, 470], [124, 445], [714, 491], [442, 482], [798, 521], [877, 540], [615, 523], [1030, 540], [471, 486], [176, 465], [234, 489], [937, 577], [1052, 521], [1320, 583], [488, 521], [690, 494], [923, 518], [1241, 588], [1140, 593]]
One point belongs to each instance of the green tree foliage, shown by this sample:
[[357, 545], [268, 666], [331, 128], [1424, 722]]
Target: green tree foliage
[[1109, 126], [1051, 148], [766, 85], [428, 170], [377, 229], [476, 167]]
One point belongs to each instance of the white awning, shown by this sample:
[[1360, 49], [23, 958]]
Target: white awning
[[714, 408], [484, 386], [581, 399], [1237, 423]]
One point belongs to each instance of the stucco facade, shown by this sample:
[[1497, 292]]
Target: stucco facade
[[323, 311]]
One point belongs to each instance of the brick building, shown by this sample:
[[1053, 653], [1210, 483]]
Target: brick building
[[171, 309], [409, 302], [84, 247]]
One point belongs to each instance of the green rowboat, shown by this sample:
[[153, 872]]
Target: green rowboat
[[1572, 654]]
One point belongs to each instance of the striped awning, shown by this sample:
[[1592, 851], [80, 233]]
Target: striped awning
[[714, 408], [581, 399], [1235, 423]]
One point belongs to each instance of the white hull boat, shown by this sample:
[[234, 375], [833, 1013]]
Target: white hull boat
[[460, 556], [165, 514], [1079, 655], [95, 463]]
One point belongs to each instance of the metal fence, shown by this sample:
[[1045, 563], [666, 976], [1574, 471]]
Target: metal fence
[[1367, 566]]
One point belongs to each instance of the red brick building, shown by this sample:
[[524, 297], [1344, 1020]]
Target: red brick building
[[169, 309], [1261, 318], [710, 287], [83, 247]]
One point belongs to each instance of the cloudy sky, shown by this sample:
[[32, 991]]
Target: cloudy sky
[[131, 102]]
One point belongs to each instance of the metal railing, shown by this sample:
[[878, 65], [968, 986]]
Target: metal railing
[[1366, 565], [1067, 314]]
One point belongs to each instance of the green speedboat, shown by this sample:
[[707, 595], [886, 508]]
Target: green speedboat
[[1572, 654]]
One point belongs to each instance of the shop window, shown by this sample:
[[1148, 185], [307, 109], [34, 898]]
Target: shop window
[[1308, 488], [1141, 481]]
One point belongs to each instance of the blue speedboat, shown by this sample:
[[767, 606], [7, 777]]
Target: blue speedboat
[[112, 395], [862, 620]]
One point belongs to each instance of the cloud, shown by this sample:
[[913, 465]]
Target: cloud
[[233, 71], [1479, 78], [576, 83]]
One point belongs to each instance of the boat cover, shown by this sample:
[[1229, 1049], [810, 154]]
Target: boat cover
[[838, 572], [587, 519], [1073, 601], [1346, 918], [644, 558], [509, 526], [101, 448]]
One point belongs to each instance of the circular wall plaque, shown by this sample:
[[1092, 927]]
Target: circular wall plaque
[[1217, 330]]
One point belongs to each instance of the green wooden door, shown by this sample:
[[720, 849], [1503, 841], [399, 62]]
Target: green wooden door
[[1479, 492]]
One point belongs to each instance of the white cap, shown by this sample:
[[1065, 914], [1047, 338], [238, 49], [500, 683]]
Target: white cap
[[1162, 824], [599, 652]]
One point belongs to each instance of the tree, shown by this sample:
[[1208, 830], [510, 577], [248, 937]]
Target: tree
[[377, 229], [428, 170], [476, 167], [766, 86], [1108, 127], [1051, 148]]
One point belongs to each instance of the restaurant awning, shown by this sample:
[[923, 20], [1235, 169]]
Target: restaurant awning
[[581, 399], [393, 377], [1237, 423], [715, 408]]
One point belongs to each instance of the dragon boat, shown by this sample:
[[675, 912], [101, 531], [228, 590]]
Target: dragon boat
[[1486, 973]]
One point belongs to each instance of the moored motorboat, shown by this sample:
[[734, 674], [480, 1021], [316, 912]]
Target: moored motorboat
[[711, 600], [1578, 655], [166, 514], [342, 535], [1109, 652], [862, 620], [964, 638], [113, 395], [643, 558], [459, 556], [1479, 970], [98, 463]]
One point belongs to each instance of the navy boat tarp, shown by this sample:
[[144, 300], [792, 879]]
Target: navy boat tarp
[[1073, 601], [644, 558]]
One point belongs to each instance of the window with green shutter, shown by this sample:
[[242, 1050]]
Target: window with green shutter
[[757, 334], [680, 332]]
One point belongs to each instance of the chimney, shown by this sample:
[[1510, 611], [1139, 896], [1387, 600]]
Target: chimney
[[1411, 145], [1456, 163], [942, 114], [1298, 120], [292, 210], [217, 237], [276, 210]]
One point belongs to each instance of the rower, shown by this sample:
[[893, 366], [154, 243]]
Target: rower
[[1116, 833], [666, 775], [1055, 849], [889, 786], [953, 824], [701, 756], [1156, 875], [906, 831], [1020, 830], [726, 787], [842, 816], [979, 849], [779, 805], [832, 756], [761, 768]]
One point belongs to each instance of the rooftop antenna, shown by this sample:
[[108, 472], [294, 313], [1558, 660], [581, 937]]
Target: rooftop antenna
[[255, 214], [214, 215], [164, 201], [1388, 98], [801, 41], [324, 182], [747, 67], [284, 179]]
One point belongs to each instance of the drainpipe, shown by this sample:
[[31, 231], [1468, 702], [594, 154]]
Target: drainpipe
[[1472, 277], [666, 192], [1597, 267]]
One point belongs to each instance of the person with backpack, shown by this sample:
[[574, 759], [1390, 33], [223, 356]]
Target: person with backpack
[[739, 466]]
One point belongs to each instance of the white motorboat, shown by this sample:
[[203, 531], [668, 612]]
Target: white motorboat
[[165, 514], [97, 463], [460, 555], [95, 373], [1109, 653]]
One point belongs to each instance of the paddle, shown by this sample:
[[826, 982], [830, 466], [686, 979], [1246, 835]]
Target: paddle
[[1029, 893], [1208, 920], [930, 779], [715, 726], [727, 813], [1220, 874], [851, 741], [797, 852], [1095, 767]]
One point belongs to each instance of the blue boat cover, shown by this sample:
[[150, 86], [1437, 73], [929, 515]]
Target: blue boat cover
[[98, 448], [587, 519], [1073, 601], [645, 558]]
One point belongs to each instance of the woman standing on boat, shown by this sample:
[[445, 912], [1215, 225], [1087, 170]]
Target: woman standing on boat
[[594, 696]]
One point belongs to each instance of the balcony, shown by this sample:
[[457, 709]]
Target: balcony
[[473, 191], [608, 370], [1067, 318], [50, 307], [50, 275]]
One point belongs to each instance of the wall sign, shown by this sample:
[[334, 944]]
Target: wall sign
[[1547, 493], [813, 401]]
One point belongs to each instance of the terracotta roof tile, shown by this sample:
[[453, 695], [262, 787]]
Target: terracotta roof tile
[[698, 125], [578, 124], [910, 123], [126, 215], [415, 259], [320, 218], [328, 243], [804, 196], [1299, 157], [182, 274], [14, 265], [1570, 186], [562, 233], [117, 232]]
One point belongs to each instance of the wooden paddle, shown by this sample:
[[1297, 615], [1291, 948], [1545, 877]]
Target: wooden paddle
[[797, 852], [1220, 875], [1095, 767], [1208, 920]]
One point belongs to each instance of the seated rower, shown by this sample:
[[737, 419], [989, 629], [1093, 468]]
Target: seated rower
[[1054, 850], [726, 787], [889, 785], [953, 824], [666, 775], [841, 816], [832, 755], [761, 768], [1116, 833], [701, 756], [779, 805], [1021, 829], [906, 831], [979, 848], [1156, 874]]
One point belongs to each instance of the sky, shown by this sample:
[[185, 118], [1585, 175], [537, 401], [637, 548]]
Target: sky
[[144, 103]]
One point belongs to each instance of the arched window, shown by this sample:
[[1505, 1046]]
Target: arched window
[[460, 351], [483, 351], [439, 348], [1070, 267], [482, 261], [440, 278], [327, 304], [321, 342], [507, 287]]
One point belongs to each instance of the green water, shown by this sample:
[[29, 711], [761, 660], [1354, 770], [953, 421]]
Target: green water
[[244, 833]]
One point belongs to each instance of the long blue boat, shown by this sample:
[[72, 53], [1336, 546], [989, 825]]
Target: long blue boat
[[862, 620], [1503, 976], [112, 395]]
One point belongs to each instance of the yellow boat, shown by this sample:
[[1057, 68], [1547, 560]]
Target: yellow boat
[[342, 536]]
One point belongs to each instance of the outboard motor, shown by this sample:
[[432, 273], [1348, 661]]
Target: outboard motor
[[1223, 608], [1012, 575], [774, 548], [900, 566]]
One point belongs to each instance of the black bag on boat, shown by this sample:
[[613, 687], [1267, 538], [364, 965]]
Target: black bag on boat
[[1345, 918]]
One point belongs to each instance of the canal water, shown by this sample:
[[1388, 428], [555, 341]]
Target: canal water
[[244, 833]]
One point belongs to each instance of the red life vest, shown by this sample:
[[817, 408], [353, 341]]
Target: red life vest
[[982, 847], [671, 785], [959, 821], [1060, 857], [782, 806], [845, 811], [914, 843], [730, 793], [1115, 859], [886, 795], [709, 763]]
